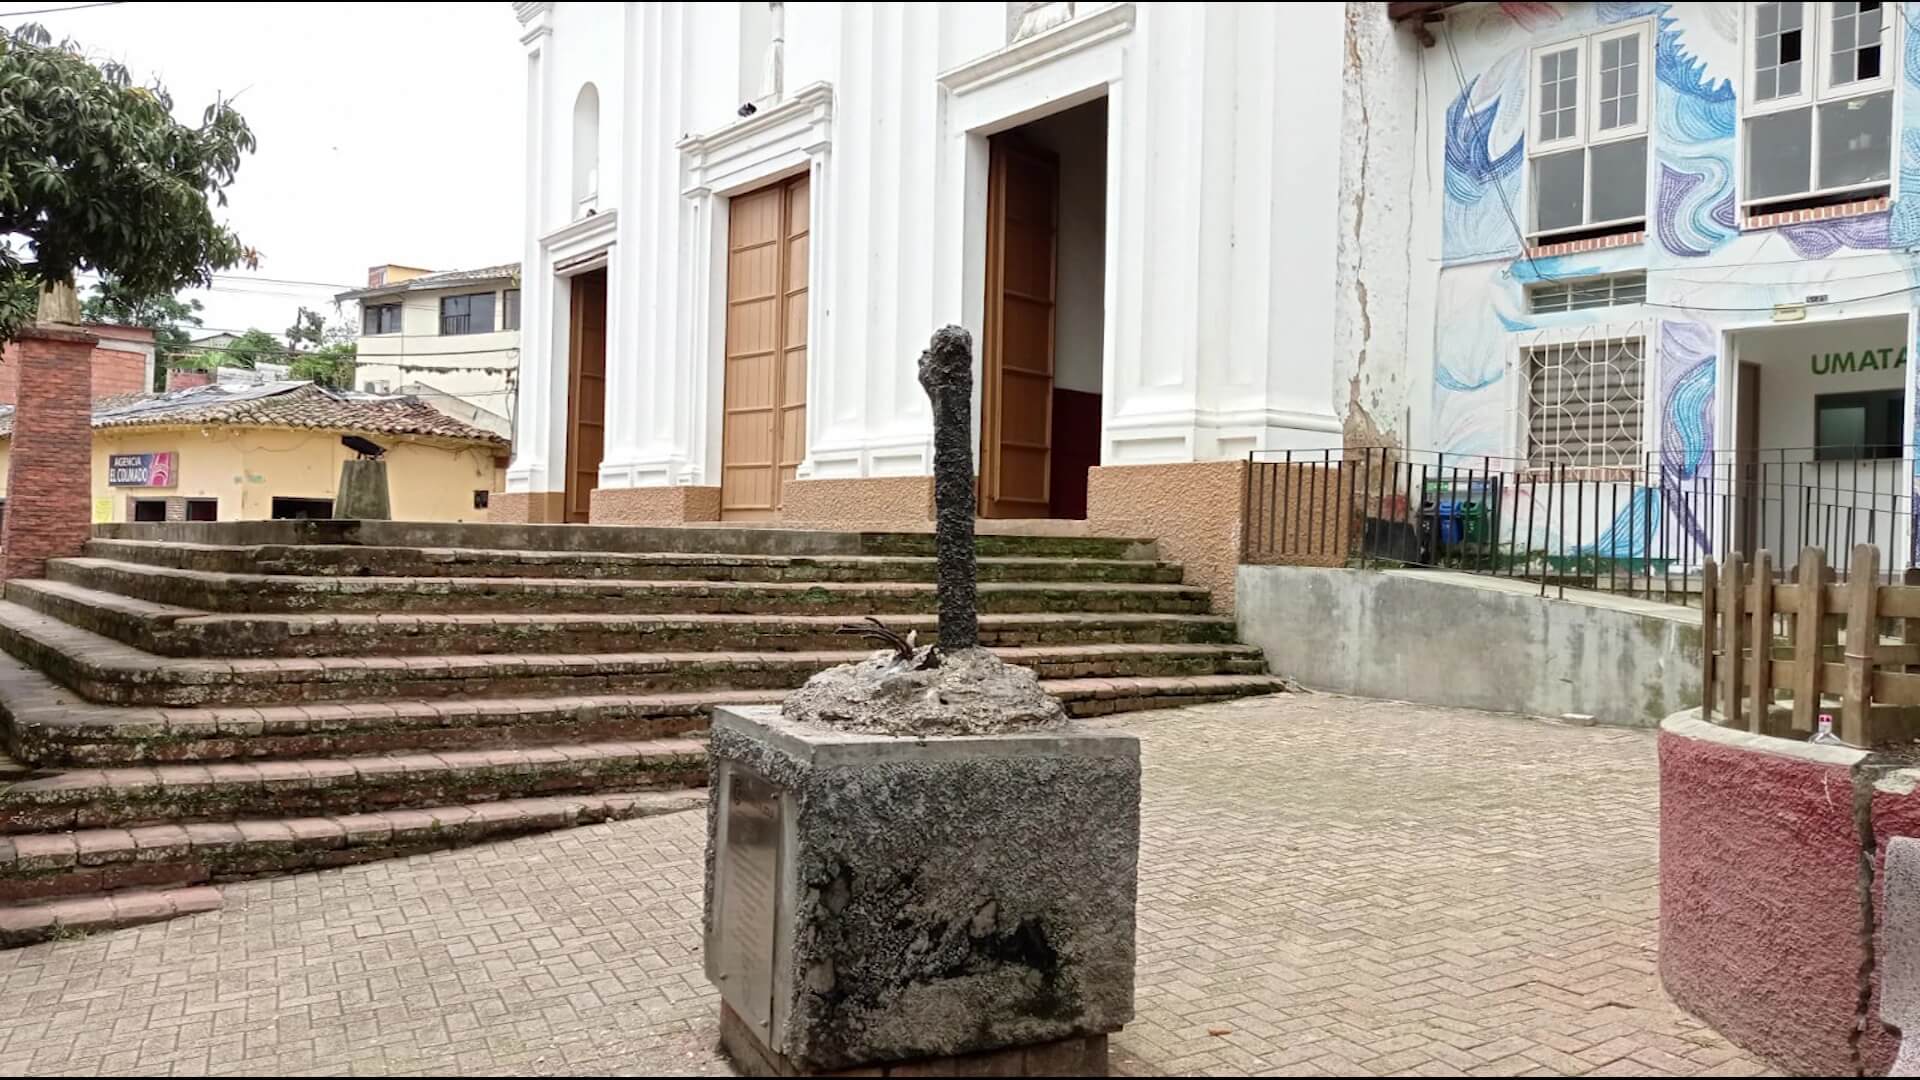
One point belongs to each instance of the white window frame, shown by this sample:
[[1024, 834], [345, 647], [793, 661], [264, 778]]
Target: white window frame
[[1816, 89], [1586, 117]]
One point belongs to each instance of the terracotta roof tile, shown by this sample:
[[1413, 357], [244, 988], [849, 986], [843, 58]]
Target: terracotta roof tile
[[279, 405]]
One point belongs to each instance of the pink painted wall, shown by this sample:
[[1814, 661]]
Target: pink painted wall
[[1894, 814], [1760, 917]]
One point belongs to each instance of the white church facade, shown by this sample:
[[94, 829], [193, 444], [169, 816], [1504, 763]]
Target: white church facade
[[744, 220]]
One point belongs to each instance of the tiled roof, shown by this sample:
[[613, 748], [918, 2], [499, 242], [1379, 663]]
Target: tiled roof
[[279, 405], [445, 280]]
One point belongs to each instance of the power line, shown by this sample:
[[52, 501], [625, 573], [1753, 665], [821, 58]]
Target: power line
[[58, 10], [1771, 307], [1480, 136]]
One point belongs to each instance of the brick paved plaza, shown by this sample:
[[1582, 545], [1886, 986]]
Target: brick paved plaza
[[1340, 886]]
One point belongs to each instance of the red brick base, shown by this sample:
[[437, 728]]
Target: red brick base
[[50, 470]]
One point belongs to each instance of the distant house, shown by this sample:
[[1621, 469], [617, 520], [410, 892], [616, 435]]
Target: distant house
[[229, 452], [122, 362], [453, 334]]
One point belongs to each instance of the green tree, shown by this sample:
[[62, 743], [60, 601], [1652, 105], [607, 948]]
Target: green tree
[[322, 353], [168, 316], [96, 174], [253, 348], [331, 364], [309, 330]]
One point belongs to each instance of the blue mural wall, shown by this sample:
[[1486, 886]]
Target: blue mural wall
[[1705, 274]]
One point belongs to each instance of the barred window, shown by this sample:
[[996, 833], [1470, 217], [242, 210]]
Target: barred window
[[1585, 402], [1584, 294]]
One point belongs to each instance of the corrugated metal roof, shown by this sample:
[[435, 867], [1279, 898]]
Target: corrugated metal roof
[[447, 279]]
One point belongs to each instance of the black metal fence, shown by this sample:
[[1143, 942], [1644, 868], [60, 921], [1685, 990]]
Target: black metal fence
[[1646, 527]]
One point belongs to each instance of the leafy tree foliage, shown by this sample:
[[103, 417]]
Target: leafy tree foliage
[[324, 354], [168, 316], [96, 174], [253, 348]]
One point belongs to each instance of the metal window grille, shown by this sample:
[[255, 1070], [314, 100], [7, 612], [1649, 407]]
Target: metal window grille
[[1586, 401], [1614, 290]]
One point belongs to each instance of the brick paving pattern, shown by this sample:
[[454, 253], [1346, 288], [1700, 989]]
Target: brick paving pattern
[[1333, 885]]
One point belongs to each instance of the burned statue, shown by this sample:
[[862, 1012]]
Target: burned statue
[[917, 862], [953, 686]]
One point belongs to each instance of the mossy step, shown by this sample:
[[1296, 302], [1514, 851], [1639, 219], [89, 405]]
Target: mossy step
[[51, 726], [177, 794], [172, 630], [345, 560], [259, 593], [36, 867], [1101, 697], [104, 670], [1050, 539]]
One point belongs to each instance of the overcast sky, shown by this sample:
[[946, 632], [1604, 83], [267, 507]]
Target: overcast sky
[[388, 132]]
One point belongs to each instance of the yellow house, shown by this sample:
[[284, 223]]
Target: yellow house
[[237, 453]]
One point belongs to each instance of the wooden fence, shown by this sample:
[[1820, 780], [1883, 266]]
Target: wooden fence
[[1814, 639]]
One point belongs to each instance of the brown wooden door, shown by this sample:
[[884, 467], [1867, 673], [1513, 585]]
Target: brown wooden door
[[586, 390], [1016, 435], [763, 433], [1747, 457]]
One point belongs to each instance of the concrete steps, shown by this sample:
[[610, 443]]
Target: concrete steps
[[210, 591], [70, 916], [356, 561], [172, 630], [38, 866], [222, 791], [191, 702], [992, 540], [104, 670]]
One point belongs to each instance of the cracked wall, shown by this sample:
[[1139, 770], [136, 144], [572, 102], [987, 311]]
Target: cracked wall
[[1375, 263]]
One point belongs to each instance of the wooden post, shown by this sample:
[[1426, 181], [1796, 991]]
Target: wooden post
[[1733, 592], [1807, 644], [1910, 627], [1863, 637], [1762, 641], [1709, 631]]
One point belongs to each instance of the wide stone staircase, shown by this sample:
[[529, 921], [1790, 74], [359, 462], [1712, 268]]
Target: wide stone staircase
[[196, 703]]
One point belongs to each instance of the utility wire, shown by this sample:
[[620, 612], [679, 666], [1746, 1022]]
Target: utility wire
[[58, 10], [1482, 136]]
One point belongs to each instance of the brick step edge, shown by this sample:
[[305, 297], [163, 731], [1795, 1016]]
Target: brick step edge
[[40, 866], [194, 591], [166, 630], [105, 670], [1102, 697], [72, 916], [172, 794], [363, 562]]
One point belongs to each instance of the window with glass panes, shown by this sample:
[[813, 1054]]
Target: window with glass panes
[[468, 314], [1588, 147], [380, 319], [1819, 103]]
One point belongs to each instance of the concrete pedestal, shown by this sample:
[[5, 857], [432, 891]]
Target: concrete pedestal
[[363, 491], [876, 902]]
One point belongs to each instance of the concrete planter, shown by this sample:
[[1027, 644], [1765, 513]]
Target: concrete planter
[[874, 900], [1770, 851]]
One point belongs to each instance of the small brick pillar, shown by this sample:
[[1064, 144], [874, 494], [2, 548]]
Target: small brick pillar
[[50, 470]]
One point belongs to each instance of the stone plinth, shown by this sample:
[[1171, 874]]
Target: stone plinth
[[875, 900], [363, 491]]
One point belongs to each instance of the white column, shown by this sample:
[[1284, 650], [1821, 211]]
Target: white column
[[534, 404]]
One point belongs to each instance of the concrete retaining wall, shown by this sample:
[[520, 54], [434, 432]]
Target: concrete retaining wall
[[1452, 639]]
